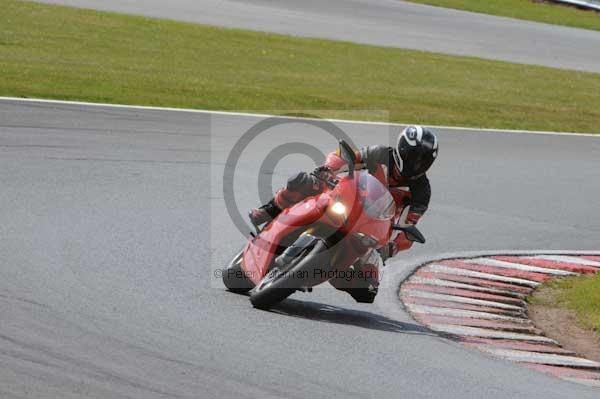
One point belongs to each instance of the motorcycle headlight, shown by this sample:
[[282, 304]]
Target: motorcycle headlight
[[338, 208]]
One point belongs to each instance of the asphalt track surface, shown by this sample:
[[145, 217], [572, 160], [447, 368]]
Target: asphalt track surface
[[113, 221], [384, 22]]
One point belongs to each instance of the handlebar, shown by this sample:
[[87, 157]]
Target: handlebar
[[331, 183]]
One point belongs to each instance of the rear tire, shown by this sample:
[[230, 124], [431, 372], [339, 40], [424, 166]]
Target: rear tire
[[234, 277], [362, 295]]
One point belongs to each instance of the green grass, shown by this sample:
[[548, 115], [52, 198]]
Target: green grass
[[532, 10], [581, 294], [66, 53]]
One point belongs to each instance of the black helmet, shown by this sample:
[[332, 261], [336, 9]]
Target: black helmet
[[415, 151]]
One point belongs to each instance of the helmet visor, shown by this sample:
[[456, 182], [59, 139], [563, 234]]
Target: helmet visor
[[416, 162]]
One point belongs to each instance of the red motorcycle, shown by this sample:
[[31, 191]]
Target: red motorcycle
[[318, 238]]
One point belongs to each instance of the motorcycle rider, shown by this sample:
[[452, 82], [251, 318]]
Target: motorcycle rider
[[405, 164]]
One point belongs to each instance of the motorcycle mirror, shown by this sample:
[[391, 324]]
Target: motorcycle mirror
[[347, 154], [411, 232]]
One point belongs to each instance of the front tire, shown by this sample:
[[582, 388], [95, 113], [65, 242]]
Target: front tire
[[265, 295], [278, 284], [234, 277]]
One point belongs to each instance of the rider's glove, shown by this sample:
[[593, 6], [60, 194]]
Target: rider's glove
[[414, 214], [412, 217], [324, 172], [400, 243], [323, 169]]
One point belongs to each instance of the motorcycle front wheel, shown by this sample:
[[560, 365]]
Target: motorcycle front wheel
[[234, 277], [279, 283]]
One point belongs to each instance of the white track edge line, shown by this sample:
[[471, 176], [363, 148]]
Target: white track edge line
[[257, 115]]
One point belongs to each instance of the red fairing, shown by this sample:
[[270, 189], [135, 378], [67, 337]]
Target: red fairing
[[259, 252], [357, 218], [360, 209]]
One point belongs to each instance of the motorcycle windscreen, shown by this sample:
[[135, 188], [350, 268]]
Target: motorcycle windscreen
[[375, 198]]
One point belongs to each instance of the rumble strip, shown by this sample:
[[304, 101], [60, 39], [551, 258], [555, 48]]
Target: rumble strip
[[480, 302]]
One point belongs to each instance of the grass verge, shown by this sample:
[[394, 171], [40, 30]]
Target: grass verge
[[531, 10], [66, 53], [579, 294]]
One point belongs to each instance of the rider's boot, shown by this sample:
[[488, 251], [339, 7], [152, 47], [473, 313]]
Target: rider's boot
[[298, 187], [265, 213]]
